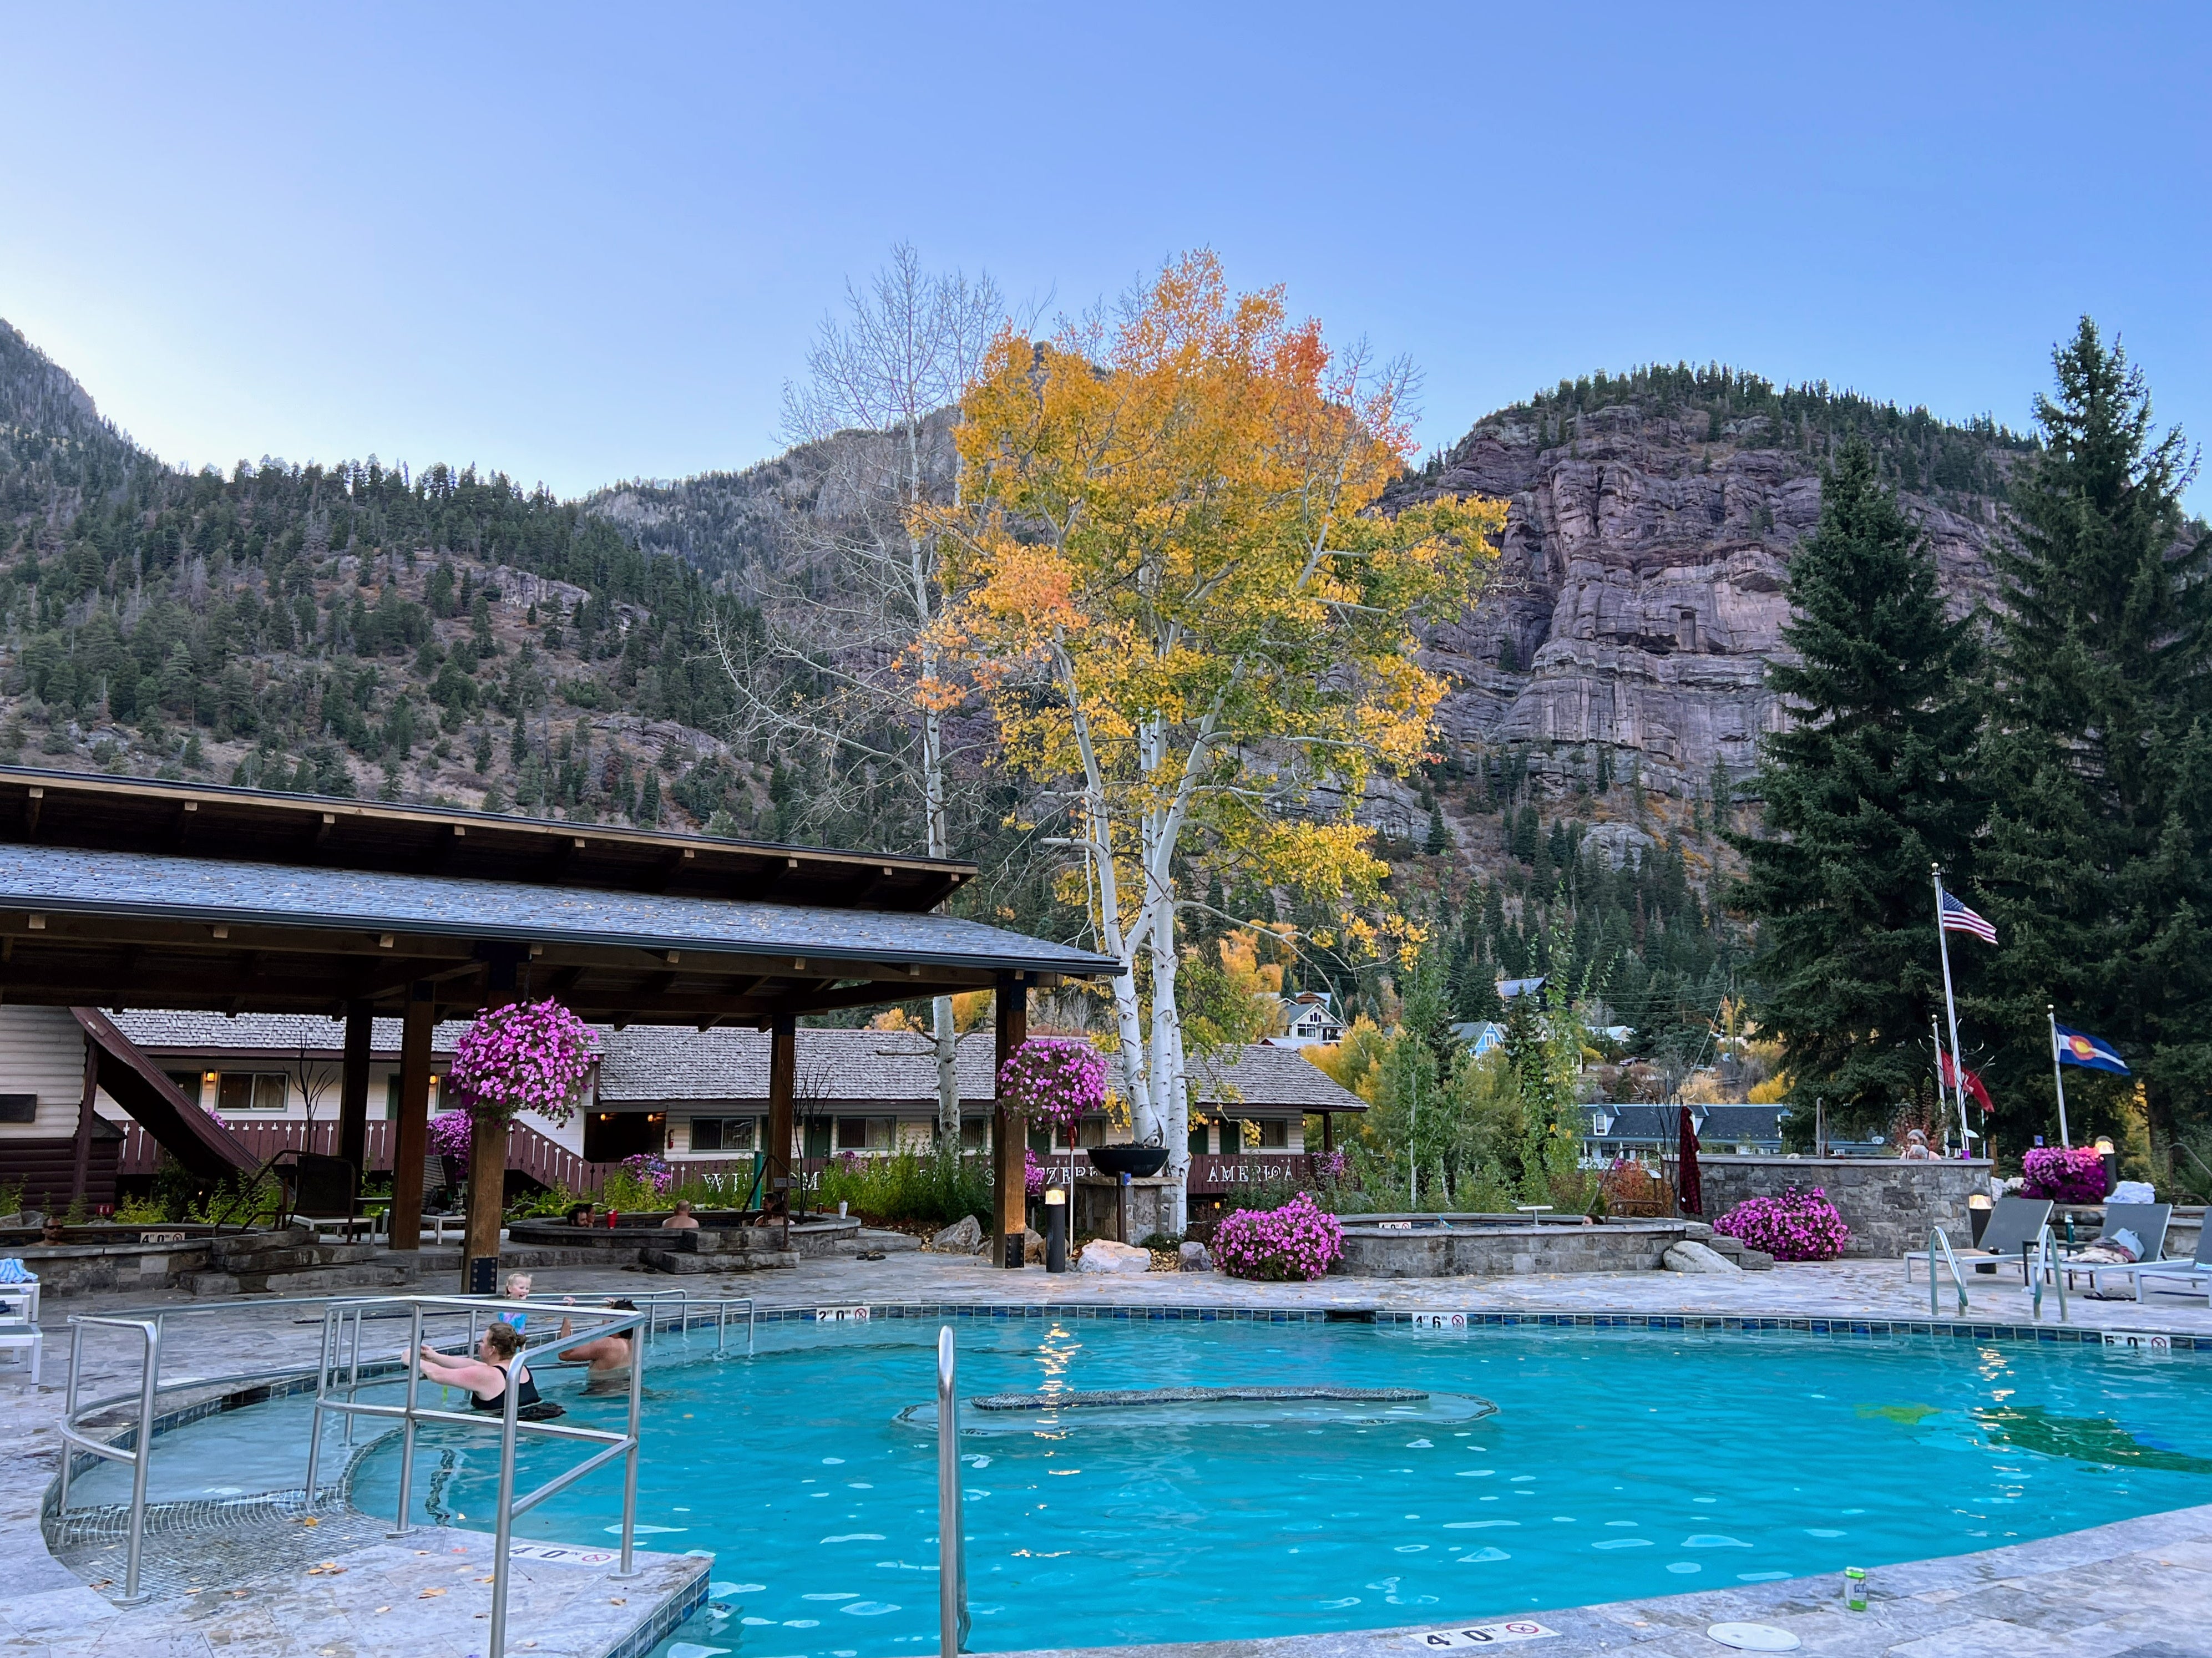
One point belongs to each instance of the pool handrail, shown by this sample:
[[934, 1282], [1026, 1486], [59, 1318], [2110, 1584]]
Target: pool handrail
[[951, 1529], [625, 1444], [140, 1455], [1938, 1236], [2040, 1260]]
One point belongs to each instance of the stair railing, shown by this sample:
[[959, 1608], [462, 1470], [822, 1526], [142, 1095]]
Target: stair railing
[[1938, 1239], [151, 1325], [412, 1413]]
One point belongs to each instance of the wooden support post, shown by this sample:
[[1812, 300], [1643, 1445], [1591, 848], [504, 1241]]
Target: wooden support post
[[782, 1084], [1327, 1132], [353, 1089], [410, 1127], [81, 1178], [1009, 1186], [487, 1159]]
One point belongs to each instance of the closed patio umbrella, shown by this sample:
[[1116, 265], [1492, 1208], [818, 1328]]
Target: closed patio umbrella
[[1692, 1200]]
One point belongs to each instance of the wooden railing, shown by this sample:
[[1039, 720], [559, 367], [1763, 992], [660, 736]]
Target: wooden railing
[[528, 1152]]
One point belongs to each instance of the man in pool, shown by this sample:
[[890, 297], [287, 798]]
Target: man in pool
[[608, 1357], [580, 1214], [683, 1219]]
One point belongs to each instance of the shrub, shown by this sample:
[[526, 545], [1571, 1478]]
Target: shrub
[[1296, 1241], [1796, 1226], [2062, 1176], [932, 1189]]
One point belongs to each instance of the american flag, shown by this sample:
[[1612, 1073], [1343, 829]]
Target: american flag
[[1956, 918]]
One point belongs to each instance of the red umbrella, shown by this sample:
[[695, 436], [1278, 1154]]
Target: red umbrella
[[1693, 1201]]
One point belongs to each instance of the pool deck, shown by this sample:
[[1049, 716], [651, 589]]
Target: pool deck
[[2141, 1588]]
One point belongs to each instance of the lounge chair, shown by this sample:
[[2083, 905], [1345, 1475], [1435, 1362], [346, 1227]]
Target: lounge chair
[[2164, 1274], [19, 1324], [2148, 1221], [2014, 1222]]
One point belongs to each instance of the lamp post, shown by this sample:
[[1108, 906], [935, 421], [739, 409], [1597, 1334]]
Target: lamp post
[[2112, 1159], [1055, 1230]]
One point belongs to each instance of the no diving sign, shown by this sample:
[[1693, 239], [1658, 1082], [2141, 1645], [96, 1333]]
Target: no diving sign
[[1483, 1635]]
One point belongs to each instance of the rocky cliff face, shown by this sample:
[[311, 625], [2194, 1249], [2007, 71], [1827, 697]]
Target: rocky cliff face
[[1640, 593]]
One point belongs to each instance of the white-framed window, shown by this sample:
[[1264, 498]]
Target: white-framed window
[[867, 1133], [724, 1134], [1091, 1131], [251, 1091]]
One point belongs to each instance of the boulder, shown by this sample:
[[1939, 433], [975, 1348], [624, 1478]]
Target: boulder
[[1193, 1258], [1689, 1256], [964, 1238], [1032, 1247], [1104, 1255]]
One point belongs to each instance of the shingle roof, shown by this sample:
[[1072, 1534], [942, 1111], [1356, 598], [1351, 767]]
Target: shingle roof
[[650, 1064], [1717, 1122], [282, 1034], [147, 884]]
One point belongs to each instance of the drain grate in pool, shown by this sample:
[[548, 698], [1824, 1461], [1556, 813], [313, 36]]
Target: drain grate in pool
[[1122, 1396]]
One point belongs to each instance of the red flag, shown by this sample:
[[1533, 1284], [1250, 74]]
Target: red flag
[[1950, 1075]]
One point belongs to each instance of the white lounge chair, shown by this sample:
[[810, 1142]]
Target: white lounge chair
[[2165, 1274], [2146, 1221], [2015, 1221], [19, 1326]]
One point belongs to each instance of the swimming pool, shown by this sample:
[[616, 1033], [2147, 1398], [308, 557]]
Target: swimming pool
[[1618, 1464]]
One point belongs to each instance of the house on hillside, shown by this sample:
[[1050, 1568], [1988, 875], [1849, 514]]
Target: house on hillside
[[1309, 1018], [1510, 988]]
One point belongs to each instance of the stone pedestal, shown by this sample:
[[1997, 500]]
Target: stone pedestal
[[1095, 1199]]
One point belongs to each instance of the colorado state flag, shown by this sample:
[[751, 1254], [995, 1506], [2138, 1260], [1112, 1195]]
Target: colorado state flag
[[2078, 1048]]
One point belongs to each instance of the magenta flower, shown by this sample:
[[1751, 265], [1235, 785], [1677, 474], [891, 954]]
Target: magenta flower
[[526, 1056], [1796, 1226], [1058, 1079], [1299, 1240], [2063, 1175]]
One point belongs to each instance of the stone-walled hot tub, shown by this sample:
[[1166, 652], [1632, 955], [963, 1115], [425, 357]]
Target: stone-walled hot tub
[[1499, 1245]]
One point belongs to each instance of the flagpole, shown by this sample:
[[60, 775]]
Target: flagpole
[[2057, 1074], [1935, 1035], [1950, 1008]]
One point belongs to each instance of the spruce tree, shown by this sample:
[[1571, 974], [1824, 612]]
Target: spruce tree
[[2100, 846], [1872, 782]]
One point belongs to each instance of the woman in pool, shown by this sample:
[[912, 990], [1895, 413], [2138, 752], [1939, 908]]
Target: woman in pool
[[609, 1357], [488, 1374]]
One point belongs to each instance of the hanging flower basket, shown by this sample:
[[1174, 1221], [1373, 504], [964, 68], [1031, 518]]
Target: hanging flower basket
[[526, 1056], [451, 1133], [1054, 1079]]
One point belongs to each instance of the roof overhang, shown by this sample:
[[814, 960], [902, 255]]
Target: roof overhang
[[135, 928], [142, 815]]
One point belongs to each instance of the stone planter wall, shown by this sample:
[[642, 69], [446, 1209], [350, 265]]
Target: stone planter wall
[[1889, 1203], [1502, 1251]]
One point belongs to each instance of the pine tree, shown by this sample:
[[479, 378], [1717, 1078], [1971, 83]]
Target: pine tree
[[1871, 784], [2100, 855], [1439, 842]]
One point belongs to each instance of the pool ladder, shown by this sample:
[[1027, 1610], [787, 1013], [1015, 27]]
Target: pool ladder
[[1938, 1239]]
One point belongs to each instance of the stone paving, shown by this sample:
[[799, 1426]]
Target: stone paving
[[2117, 1592]]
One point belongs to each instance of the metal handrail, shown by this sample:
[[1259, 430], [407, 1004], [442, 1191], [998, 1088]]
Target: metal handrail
[[410, 1414], [952, 1531], [2047, 1261], [140, 1455], [1938, 1236]]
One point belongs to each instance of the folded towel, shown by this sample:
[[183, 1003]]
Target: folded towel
[[2131, 1191], [11, 1271]]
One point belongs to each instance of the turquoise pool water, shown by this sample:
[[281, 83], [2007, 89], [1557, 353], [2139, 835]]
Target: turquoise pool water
[[1618, 1464]]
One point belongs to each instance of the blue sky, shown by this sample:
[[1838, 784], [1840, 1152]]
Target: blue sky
[[583, 243]]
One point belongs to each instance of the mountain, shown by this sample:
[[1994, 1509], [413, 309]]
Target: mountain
[[1613, 671], [447, 637], [442, 637]]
